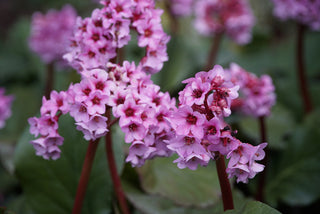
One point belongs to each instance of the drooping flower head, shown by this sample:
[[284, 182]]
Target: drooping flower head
[[232, 17], [257, 95], [97, 38], [201, 134], [302, 11], [5, 107], [50, 33]]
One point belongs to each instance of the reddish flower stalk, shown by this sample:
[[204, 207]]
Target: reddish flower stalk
[[49, 80], [224, 184], [301, 69], [84, 178], [262, 178], [213, 51], [113, 171]]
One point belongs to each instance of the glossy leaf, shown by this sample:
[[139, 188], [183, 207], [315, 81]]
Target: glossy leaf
[[50, 186]]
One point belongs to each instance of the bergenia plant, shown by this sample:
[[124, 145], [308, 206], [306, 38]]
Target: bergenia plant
[[5, 107], [152, 123]]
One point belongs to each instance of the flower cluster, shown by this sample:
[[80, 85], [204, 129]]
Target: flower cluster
[[232, 17], [200, 131], [138, 104], [257, 94], [305, 12], [50, 33], [47, 145], [97, 38], [5, 107]]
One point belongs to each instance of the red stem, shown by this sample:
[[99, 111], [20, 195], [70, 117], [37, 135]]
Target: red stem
[[301, 70], [213, 51], [113, 171], [84, 178], [224, 184], [49, 80], [262, 177]]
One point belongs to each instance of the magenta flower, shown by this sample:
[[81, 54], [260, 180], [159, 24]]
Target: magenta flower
[[232, 17], [305, 12], [187, 122], [257, 95], [51, 32], [97, 38], [5, 107]]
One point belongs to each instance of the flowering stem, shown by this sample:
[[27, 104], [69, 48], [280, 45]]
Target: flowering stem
[[174, 25], [213, 51], [301, 69], [262, 177], [84, 178], [113, 171], [224, 184], [49, 80]]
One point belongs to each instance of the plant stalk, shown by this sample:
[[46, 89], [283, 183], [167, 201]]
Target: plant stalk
[[301, 69], [84, 178], [49, 80], [263, 174], [211, 60], [225, 187], [113, 172]]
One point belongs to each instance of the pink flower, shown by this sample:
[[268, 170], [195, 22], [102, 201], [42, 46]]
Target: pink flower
[[305, 12], [50, 33], [232, 17], [5, 107], [187, 122]]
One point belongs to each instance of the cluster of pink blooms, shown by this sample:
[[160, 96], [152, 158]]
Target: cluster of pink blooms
[[303, 11], [127, 90], [5, 107], [139, 104], [232, 17], [50, 33], [200, 131], [97, 38], [257, 94]]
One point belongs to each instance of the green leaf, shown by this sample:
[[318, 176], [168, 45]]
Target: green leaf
[[294, 179], [254, 207], [155, 204], [186, 187], [50, 186]]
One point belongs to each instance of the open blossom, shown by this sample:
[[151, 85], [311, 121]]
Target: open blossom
[[232, 17], [97, 38], [200, 132], [305, 12], [257, 95], [5, 107], [51, 32]]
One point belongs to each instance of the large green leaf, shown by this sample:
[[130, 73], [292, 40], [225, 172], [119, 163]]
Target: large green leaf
[[184, 186], [294, 180], [155, 204], [50, 186], [254, 207]]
